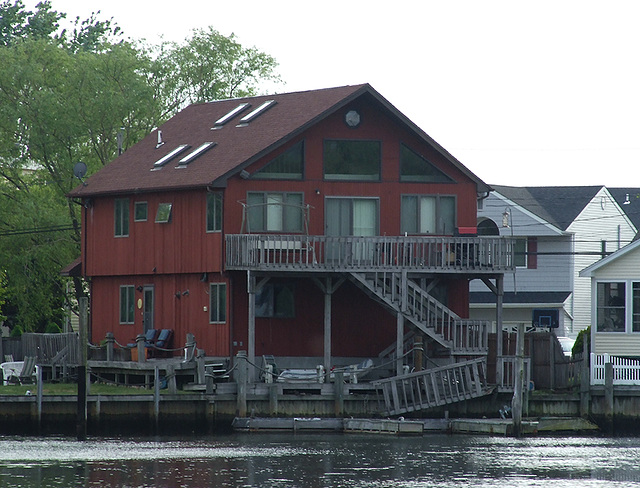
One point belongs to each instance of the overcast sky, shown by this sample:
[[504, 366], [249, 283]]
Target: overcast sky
[[522, 93]]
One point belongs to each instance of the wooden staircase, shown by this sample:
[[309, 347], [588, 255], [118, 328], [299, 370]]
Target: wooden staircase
[[425, 313], [435, 387]]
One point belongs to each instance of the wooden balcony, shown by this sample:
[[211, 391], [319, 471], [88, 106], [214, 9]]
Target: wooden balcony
[[303, 253]]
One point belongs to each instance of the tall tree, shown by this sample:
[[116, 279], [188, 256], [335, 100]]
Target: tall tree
[[67, 96]]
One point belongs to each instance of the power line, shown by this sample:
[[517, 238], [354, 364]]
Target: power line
[[36, 230]]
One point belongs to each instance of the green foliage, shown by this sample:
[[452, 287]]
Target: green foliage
[[16, 331], [209, 66], [583, 335], [67, 96], [52, 328]]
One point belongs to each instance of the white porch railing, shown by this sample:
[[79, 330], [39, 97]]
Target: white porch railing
[[625, 371]]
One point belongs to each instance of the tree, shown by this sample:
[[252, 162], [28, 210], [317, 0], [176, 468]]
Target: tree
[[208, 66], [66, 96]]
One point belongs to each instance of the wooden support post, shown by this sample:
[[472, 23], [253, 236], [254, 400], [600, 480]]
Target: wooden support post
[[399, 343], [241, 382], [39, 397], [552, 360], [608, 398], [190, 347], [251, 332], [418, 350], [81, 426], [109, 342], [208, 381], [172, 382], [327, 325], [200, 364], [585, 381], [142, 352], [499, 300], [339, 393], [156, 399], [273, 399], [516, 403]]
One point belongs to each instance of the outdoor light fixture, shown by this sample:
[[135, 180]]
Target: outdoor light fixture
[[506, 218], [626, 200]]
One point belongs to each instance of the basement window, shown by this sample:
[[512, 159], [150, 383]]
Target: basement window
[[163, 215]]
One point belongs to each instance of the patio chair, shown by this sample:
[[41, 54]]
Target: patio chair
[[162, 342], [26, 375]]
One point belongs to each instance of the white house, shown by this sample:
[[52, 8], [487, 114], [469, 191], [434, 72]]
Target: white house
[[615, 304], [560, 231]]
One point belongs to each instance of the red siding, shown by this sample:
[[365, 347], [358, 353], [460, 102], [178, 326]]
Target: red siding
[[187, 314], [180, 246], [173, 256]]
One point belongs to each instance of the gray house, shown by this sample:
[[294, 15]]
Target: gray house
[[560, 231]]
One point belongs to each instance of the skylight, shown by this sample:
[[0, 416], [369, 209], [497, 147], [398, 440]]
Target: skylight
[[195, 153], [226, 118], [253, 114], [168, 157]]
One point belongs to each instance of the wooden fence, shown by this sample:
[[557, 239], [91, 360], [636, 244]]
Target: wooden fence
[[625, 371], [48, 349]]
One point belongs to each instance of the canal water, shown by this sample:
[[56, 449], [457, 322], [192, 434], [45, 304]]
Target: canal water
[[320, 460]]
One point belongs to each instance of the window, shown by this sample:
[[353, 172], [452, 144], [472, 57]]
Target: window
[[520, 253], [214, 212], [635, 326], [610, 308], [428, 214], [416, 168], [140, 211], [275, 300], [275, 212], [163, 215], [286, 166], [121, 207], [217, 303], [127, 298], [352, 160]]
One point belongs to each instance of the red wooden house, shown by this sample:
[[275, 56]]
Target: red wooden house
[[318, 224]]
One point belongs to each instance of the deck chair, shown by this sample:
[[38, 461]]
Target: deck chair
[[150, 337], [28, 368], [162, 342]]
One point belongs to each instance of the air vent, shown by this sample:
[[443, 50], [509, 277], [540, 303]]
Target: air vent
[[226, 118], [168, 157], [194, 154], [255, 113]]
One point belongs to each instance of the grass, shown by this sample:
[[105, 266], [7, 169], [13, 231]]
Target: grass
[[72, 389]]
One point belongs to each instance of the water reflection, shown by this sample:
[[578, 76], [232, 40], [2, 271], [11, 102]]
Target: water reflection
[[317, 460]]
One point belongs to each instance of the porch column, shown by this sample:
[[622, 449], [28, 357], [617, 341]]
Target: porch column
[[251, 340], [499, 299], [399, 343], [328, 291]]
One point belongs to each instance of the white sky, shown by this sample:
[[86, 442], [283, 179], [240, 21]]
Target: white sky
[[522, 93]]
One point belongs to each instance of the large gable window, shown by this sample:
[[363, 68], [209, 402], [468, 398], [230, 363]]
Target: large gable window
[[432, 214], [274, 212], [287, 166], [416, 168], [121, 217], [352, 160]]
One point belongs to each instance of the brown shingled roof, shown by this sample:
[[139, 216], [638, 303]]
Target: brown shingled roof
[[236, 147]]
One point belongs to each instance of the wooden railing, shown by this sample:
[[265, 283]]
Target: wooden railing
[[507, 366], [376, 253], [462, 336], [435, 387]]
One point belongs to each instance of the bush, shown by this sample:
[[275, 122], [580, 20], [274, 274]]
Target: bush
[[16, 331], [583, 335], [52, 328]]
